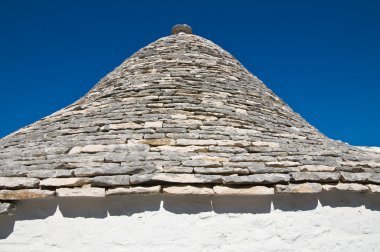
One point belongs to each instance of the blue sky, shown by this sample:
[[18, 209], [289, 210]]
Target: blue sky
[[321, 57]]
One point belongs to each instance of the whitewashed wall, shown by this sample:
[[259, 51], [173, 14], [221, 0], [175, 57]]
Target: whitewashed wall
[[325, 222]]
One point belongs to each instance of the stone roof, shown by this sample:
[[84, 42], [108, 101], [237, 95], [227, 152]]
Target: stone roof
[[180, 116]]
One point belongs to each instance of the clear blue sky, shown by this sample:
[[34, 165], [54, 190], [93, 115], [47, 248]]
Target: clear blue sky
[[322, 57]]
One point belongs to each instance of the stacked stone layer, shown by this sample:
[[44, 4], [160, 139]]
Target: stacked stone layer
[[179, 116]]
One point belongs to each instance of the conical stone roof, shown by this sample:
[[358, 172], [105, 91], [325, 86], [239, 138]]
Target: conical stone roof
[[181, 115]]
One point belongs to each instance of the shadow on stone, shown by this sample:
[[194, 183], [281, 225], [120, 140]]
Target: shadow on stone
[[295, 202], [131, 204], [7, 224], [83, 207], [189, 204], [241, 204], [42, 208]]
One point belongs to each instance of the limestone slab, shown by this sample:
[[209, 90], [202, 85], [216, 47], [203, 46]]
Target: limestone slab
[[23, 194], [188, 190], [81, 192], [254, 190], [134, 190], [299, 188], [64, 182], [18, 182]]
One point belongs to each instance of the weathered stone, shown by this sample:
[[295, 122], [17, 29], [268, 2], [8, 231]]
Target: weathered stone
[[199, 142], [16, 182], [75, 150], [226, 149], [93, 148], [157, 124], [50, 173], [346, 187], [265, 144], [64, 182], [221, 170], [113, 170], [6, 208], [23, 194], [201, 163], [140, 178], [315, 176], [233, 143], [131, 152], [188, 190], [115, 180], [81, 192], [254, 190], [374, 188], [186, 178], [257, 179], [364, 177], [299, 188], [121, 126], [158, 142], [134, 190], [178, 169], [251, 158], [317, 168], [282, 164]]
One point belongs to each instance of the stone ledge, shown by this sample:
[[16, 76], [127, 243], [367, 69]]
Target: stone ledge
[[134, 190], [23, 194], [299, 188], [255, 190], [188, 190], [81, 192]]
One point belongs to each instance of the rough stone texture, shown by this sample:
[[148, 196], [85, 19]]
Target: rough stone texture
[[23, 194], [186, 190], [257, 179], [179, 111], [15, 183], [107, 181], [374, 188], [81, 192], [6, 208], [315, 176], [64, 182], [134, 190], [254, 190], [346, 187], [299, 188]]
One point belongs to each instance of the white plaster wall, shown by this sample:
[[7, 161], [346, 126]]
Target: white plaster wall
[[334, 222]]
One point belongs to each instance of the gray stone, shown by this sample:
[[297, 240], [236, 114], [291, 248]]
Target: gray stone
[[346, 187], [260, 179], [17, 183], [361, 177], [64, 182], [201, 163], [107, 181], [134, 190], [315, 176], [6, 208], [186, 178], [50, 173], [299, 188]]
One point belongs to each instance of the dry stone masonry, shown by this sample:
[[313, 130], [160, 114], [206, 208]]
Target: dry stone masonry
[[180, 116]]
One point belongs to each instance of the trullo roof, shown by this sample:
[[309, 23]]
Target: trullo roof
[[180, 116]]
